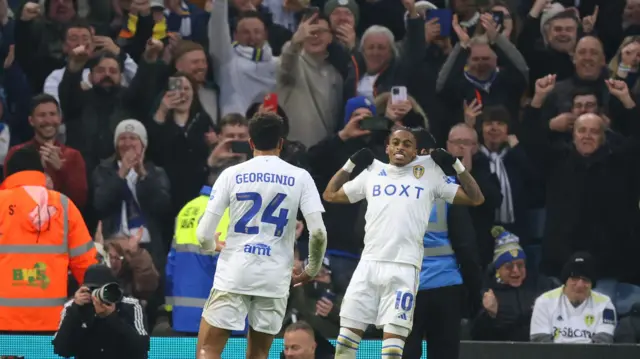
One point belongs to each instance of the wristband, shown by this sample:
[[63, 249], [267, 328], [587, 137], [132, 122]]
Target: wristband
[[458, 166], [349, 166]]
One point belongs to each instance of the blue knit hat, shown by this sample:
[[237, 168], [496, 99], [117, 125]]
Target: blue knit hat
[[507, 247], [355, 103]]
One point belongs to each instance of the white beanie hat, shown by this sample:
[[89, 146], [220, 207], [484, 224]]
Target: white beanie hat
[[131, 126], [420, 5]]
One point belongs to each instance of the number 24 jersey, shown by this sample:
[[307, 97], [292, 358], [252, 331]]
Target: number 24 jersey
[[263, 196]]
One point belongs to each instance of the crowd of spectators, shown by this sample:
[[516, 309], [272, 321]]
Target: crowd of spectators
[[135, 105]]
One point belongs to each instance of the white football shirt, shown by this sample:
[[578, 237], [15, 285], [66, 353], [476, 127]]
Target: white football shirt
[[263, 196], [554, 315], [399, 203]]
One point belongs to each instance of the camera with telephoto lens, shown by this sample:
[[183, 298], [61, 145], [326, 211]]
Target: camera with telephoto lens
[[109, 293]]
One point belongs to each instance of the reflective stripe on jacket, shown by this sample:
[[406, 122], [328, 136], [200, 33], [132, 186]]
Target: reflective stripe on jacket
[[42, 236]]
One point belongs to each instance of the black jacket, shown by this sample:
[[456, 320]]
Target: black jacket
[[515, 307], [120, 335]]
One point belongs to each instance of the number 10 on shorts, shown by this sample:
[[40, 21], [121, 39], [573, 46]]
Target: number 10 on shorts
[[404, 300]]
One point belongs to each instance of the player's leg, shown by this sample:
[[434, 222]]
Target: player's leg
[[397, 303], [413, 344], [222, 313], [265, 321], [359, 307], [211, 341], [348, 341]]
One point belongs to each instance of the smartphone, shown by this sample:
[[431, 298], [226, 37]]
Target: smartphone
[[398, 94], [498, 17], [445, 18], [175, 83], [240, 147], [329, 295], [376, 123], [270, 101], [309, 12]]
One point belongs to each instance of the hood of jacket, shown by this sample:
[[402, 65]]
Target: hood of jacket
[[35, 199]]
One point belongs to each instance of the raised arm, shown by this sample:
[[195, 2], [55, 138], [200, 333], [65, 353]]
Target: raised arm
[[339, 190], [469, 193]]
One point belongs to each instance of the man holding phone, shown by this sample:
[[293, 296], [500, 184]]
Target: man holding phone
[[232, 147]]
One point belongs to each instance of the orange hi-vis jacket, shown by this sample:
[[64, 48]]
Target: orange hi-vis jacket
[[42, 235]]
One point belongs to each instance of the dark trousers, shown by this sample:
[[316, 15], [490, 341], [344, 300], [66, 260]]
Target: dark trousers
[[437, 317]]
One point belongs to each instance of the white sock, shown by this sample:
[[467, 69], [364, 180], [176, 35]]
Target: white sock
[[392, 348], [347, 344]]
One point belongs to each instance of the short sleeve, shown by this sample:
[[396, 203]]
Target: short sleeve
[[356, 189], [540, 319], [310, 200], [608, 320], [219, 198], [444, 186]]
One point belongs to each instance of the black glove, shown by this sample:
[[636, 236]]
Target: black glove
[[364, 157], [443, 159]]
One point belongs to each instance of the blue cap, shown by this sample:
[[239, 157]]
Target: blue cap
[[355, 103]]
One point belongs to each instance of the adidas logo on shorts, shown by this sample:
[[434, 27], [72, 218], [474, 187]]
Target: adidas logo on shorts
[[382, 173], [403, 316]]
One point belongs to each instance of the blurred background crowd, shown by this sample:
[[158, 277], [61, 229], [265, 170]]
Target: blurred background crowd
[[136, 106]]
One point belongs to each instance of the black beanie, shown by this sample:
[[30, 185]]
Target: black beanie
[[25, 159], [582, 265]]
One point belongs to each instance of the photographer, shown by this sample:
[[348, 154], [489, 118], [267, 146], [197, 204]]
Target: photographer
[[100, 323]]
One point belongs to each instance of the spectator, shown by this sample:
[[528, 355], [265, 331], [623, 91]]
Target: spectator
[[502, 155], [186, 20], [145, 20], [574, 313], [624, 66], [309, 86], [178, 138], [406, 113], [131, 265], [472, 72], [64, 165], [510, 293], [244, 69], [574, 219], [590, 73], [82, 34], [376, 66], [32, 221], [300, 342], [232, 128], [92, 115], [343, 20], [277, 35], [91, 328], [547, 41], [39, 39], [132, 193], [190, 59], [318, 303], [463, 143]]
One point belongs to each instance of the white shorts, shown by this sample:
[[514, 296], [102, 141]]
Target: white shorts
[[226, 310], [381, 293]]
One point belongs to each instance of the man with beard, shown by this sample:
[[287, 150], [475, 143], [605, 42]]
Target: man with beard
[[92, 115], [64, 165]]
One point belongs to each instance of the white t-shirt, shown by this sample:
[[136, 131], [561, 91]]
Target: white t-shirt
[[263, 196], [399, 203], [553, 314]]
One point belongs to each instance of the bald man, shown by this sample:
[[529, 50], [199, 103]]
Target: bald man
[[588, 133]]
